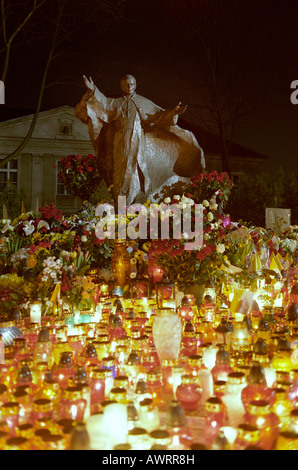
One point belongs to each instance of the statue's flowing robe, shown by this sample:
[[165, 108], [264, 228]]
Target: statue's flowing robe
[[139, 146]]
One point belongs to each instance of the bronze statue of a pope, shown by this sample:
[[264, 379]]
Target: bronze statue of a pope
[[141, 150]]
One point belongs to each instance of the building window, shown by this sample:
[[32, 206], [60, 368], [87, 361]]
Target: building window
[[60, 188], [236, 176], [65, 127], [9, 174]]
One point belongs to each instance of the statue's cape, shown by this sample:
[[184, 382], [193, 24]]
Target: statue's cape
[[166, 151]]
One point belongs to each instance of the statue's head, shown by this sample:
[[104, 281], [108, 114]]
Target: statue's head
[[128, 85]]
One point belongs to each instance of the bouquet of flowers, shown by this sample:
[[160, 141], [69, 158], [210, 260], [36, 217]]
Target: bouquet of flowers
[[78, 291], [12, 293], [80, 175], [210, 185]]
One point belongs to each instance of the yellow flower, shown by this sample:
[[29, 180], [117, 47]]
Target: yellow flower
[[88, 284], [31, 261], [146, 246], [85, 294], [37, 235], [139, 255]]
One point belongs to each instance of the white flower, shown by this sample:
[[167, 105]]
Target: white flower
[[205, 203], [220, 248], [210, 216], [206, 236], [177, 197], [167, 200], [28, 227], [289, 245], [7, 226], [43, 223], [84, 238]]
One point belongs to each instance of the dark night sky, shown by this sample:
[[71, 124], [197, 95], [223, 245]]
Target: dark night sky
[[155, 43]]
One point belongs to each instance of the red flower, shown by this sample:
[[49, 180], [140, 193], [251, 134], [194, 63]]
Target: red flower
[[98, 241]]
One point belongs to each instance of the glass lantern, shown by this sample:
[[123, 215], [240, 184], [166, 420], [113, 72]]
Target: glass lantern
[[140, 287], [165, 293]]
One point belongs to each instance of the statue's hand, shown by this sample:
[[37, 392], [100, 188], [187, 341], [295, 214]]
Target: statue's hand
[[89, 83], [180, 109]]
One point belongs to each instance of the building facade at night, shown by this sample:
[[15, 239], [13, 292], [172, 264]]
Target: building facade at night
[[59, 133]]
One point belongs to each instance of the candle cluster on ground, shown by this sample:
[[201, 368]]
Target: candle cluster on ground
[[131, 374]]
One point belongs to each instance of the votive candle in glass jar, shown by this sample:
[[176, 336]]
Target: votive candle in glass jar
[[24, 375], [118, 394], [42, 408], [72, 404], [215, 418], [50, 390], [240, 336], [292, 392], [65, 369], [77, 345], [188, 393], [194, 364], [222, 366], [35, 312], [282, 407], [90, 355], [256, 388], [160, 437], [10, 415], [139, 439], [155, 386], [177, 372], [167, 375], [43, 348], [176, 424], [259, 414], [282, 358], [109, 363], [17, 443], [287, 440], [236, 381], [148, 413], [293, 425], [189, 341], [219, 387], [247, 435], [25, 405], [4, 394]]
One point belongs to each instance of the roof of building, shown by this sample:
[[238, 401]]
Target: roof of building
[[208, 141]]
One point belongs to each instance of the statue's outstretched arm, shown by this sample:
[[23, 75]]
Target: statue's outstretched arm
[[167, 117], [94, 91]]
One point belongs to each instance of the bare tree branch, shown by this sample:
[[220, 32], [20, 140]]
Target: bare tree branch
[[8, 39]]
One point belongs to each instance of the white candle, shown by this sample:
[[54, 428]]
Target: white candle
[[230, 434], [98, 436], [209, 357], [35, 312], [115, 423], [269, 376], [206, 383], [234, 408]]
